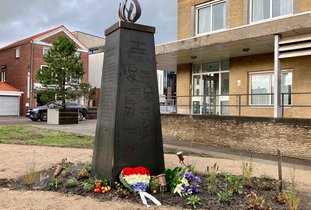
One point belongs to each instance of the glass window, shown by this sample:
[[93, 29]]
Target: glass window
[[3, 79], [286, 87], [45, 50], [210, 67], [204, 17], [17, 52], [265, 9], [211, 17], [281, 7], [225, 83], [225, 65], [196, 107], [260, 84], [219, 16], [196, 68], [196, 85], [263, 85]]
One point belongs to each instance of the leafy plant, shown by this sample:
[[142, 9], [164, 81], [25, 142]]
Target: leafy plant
[[193, 201], [154, 184], [212, 179], [235, 185], [247, 173], [292, 194], [30, 175], [266, 176], [224, 196], [280, 198], [72, 182], [254, 201], [54, 182], [173, 177], [88, 185]]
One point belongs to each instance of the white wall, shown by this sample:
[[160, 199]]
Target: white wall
[[160, 75], [96, 62]]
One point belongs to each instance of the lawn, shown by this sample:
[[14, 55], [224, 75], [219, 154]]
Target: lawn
[[28, 135]]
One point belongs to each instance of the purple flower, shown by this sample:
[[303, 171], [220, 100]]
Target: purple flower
[[189, 176]]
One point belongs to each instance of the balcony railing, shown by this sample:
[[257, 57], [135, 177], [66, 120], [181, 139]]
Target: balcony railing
[[293, 105]]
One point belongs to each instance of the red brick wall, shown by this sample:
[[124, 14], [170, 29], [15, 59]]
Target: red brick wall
[[17, 70]]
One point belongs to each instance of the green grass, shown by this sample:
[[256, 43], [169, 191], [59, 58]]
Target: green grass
[[28, 135]]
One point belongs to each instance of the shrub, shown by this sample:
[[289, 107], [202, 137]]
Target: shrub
[[88, 185], [292, 194], [224, 196], [247, 173], [72, 182], [212, 179], [194, 201]]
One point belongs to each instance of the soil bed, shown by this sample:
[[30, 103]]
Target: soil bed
[[45, 182]]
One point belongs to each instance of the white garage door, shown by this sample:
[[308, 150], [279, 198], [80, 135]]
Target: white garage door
[[9, 105]]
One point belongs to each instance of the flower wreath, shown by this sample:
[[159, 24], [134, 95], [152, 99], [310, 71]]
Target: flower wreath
[[135, 179]]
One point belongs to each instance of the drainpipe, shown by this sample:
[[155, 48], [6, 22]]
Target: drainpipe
[[277, 78], [31, 74]]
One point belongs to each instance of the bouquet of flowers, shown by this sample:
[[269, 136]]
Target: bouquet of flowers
[[189, 185], [135, 179]]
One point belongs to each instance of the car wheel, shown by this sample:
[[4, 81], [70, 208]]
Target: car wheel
[[80, 116], [43, 116], [34, 119]]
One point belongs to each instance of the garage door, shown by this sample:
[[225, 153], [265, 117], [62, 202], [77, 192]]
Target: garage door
[[9, 105]]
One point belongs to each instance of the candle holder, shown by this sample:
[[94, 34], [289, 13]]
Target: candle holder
[[58, 170], [181, 158], [162, 182]]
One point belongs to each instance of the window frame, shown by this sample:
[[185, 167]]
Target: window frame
[[17, 52], [3, 76], [43, 50], [270, 12], [209, 4], [270, 94]]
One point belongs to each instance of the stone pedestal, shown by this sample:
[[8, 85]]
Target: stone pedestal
[[128, 132]]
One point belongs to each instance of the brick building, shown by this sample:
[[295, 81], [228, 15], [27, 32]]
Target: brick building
[[242, 58], [21, 60]]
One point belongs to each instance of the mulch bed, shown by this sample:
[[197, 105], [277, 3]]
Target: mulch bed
[[264, 187]]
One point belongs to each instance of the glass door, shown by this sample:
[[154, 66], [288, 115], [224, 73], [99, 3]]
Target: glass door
[[211, 83]]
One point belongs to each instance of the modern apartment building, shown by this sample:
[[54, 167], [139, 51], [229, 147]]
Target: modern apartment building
[[242, 58]]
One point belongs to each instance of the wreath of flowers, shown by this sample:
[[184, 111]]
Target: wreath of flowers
[[135, 179]]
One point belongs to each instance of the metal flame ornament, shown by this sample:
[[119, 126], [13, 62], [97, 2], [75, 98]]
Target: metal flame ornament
[[127, 14]]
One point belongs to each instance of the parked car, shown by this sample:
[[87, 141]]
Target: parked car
[[40, 112]]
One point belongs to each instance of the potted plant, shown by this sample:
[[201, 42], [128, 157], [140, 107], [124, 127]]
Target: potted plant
[[62, 78]]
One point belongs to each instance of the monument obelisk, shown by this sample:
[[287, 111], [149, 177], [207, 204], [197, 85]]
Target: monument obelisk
[[128, 132]]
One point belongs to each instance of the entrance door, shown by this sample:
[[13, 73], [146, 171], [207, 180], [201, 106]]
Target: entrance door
[[211, 83]]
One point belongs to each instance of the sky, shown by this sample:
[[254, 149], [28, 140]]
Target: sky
[[20, 19]]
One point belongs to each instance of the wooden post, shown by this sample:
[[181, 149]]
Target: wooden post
[[280, 170]]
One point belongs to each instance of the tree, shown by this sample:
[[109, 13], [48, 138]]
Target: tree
[[64, 71]]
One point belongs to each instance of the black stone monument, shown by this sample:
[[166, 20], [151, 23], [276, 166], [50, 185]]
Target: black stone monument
[[128, 132]]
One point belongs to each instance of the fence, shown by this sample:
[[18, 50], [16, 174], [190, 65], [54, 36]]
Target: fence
[[293, 105]]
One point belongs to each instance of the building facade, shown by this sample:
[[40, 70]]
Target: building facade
[[21, 60], [242, 58]]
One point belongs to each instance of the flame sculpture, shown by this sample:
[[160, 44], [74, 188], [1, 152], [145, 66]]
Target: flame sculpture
[[126, 14]]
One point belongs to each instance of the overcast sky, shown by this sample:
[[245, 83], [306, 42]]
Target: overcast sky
[[23, 18]]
